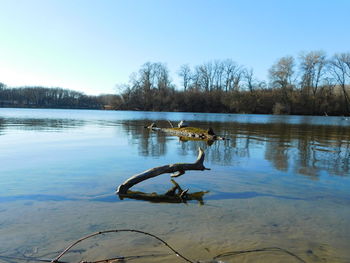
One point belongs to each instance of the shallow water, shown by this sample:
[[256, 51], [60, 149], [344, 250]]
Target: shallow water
[[280, 181]]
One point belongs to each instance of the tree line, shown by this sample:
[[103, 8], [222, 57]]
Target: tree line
[[312, 84], [42, 97]]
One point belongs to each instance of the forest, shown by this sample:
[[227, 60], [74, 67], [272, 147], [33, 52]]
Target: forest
[[311, 84], [42, 97]]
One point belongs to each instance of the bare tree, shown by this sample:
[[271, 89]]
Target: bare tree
[[151, 79], [340, 69], [281, 76], [161, 76], [312, 66], [249, 79], [282, 72], [232, 73], [185, 74], [218, 70], [205, 75], [313, 74]]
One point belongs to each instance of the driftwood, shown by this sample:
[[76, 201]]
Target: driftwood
[[176, 169], [174, 195]]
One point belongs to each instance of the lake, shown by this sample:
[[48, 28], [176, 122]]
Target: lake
[[279, 181]]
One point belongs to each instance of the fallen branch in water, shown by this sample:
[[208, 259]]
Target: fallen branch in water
[[176, 169]]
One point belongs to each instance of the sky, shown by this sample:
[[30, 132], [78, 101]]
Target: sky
[[93, 45]]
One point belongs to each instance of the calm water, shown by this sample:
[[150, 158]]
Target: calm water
[[279, 181]]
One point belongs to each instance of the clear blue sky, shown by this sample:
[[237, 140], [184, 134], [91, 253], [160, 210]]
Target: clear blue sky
[[91, 46]]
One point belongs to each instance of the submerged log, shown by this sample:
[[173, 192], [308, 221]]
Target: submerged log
[[176, 169], [190, 133]]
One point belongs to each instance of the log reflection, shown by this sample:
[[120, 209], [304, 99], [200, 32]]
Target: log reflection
[[174, 195]]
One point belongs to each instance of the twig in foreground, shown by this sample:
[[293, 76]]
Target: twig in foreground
[[56, 260]]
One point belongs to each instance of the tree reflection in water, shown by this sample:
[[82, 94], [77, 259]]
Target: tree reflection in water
[[36, 124], [2, 126], [299, 148]]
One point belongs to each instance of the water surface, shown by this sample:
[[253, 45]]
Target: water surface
[[279, 181]]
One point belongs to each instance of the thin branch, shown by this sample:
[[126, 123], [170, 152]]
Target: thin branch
[[122, 259], [266, 249], [24, 258], [172, 126], [56, 260]]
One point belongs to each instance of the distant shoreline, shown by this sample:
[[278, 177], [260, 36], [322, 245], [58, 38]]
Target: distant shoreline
[[137, 110], [43, 107]]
